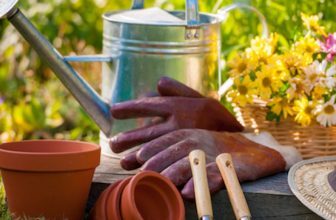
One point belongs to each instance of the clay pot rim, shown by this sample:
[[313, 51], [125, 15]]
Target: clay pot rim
[[130, 189], [100, 205], [113, 201], [46, 141], [86, 157]]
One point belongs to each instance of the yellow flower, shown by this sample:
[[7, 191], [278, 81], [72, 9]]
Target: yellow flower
[[319, 91], [305, 111], [265, 45], [262, 48], [279, 67], [294, 61], [312, 23], [327, 113], [281, 105], [243, 92], [307, 45], [267, 81], [240, 65]]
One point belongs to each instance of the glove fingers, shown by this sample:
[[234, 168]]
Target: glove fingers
[[146, 107], [129, 162], [167, 157], [179, 172], [215, 182], [153, 147], [170, 87], [126, 140]]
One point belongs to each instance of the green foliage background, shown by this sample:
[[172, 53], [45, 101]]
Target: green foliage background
[[33, 103]]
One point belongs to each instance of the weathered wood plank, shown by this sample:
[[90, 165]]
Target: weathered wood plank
[[261, 205], [268, 198], [275, 185], [109, 171]]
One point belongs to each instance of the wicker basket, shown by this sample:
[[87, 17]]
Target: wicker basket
[[312, 141]]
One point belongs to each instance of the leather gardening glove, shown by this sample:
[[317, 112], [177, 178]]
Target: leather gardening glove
[[179, 107], [168, 155]]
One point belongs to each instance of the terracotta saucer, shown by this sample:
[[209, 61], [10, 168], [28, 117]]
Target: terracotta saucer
[[113, 208], [149, 195], [99, 212], [145, 196]]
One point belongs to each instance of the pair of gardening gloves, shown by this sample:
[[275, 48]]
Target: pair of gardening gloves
[[185, 120]]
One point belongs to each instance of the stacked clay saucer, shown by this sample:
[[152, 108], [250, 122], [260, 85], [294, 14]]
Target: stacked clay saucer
[[147, 195]]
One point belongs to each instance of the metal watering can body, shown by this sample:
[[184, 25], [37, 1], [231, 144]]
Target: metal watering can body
[[135, 56], [144, 53]]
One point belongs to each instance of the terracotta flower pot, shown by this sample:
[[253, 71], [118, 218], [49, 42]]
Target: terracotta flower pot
[[48, 178], [149, 195]]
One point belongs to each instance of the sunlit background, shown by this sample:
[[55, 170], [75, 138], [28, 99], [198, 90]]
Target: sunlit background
[[34, 104]]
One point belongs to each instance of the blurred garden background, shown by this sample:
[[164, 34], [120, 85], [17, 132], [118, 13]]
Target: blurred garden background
[[34, 104]]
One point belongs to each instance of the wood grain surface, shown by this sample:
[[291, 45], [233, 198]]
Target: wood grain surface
[[267, 198]]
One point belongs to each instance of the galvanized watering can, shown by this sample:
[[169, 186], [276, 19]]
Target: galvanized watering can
[[135, 55]]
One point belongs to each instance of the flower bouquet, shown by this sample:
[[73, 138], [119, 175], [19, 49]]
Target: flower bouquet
[[299, 81], [296, 83]]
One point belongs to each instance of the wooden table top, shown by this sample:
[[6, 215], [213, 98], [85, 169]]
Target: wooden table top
[[268, 198]]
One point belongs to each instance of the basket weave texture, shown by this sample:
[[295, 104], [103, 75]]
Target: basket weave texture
[[311, 141]]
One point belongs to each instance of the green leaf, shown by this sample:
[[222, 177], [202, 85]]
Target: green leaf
[[271, 116]]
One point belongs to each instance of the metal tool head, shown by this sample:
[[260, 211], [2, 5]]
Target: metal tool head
[[206, 217], [6, 6]]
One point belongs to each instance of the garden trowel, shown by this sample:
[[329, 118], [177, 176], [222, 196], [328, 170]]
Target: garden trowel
[[236, 195]]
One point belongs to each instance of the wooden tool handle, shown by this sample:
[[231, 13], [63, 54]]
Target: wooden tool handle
[[236, 195], [201, 187]]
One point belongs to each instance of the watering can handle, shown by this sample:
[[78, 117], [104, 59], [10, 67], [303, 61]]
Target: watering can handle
[[192, 14], [223, 13]]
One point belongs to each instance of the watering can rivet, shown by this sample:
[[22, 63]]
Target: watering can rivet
[[196, 35], [188, 35]]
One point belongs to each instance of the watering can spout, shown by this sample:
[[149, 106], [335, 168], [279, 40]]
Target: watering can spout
[[94, 105]]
